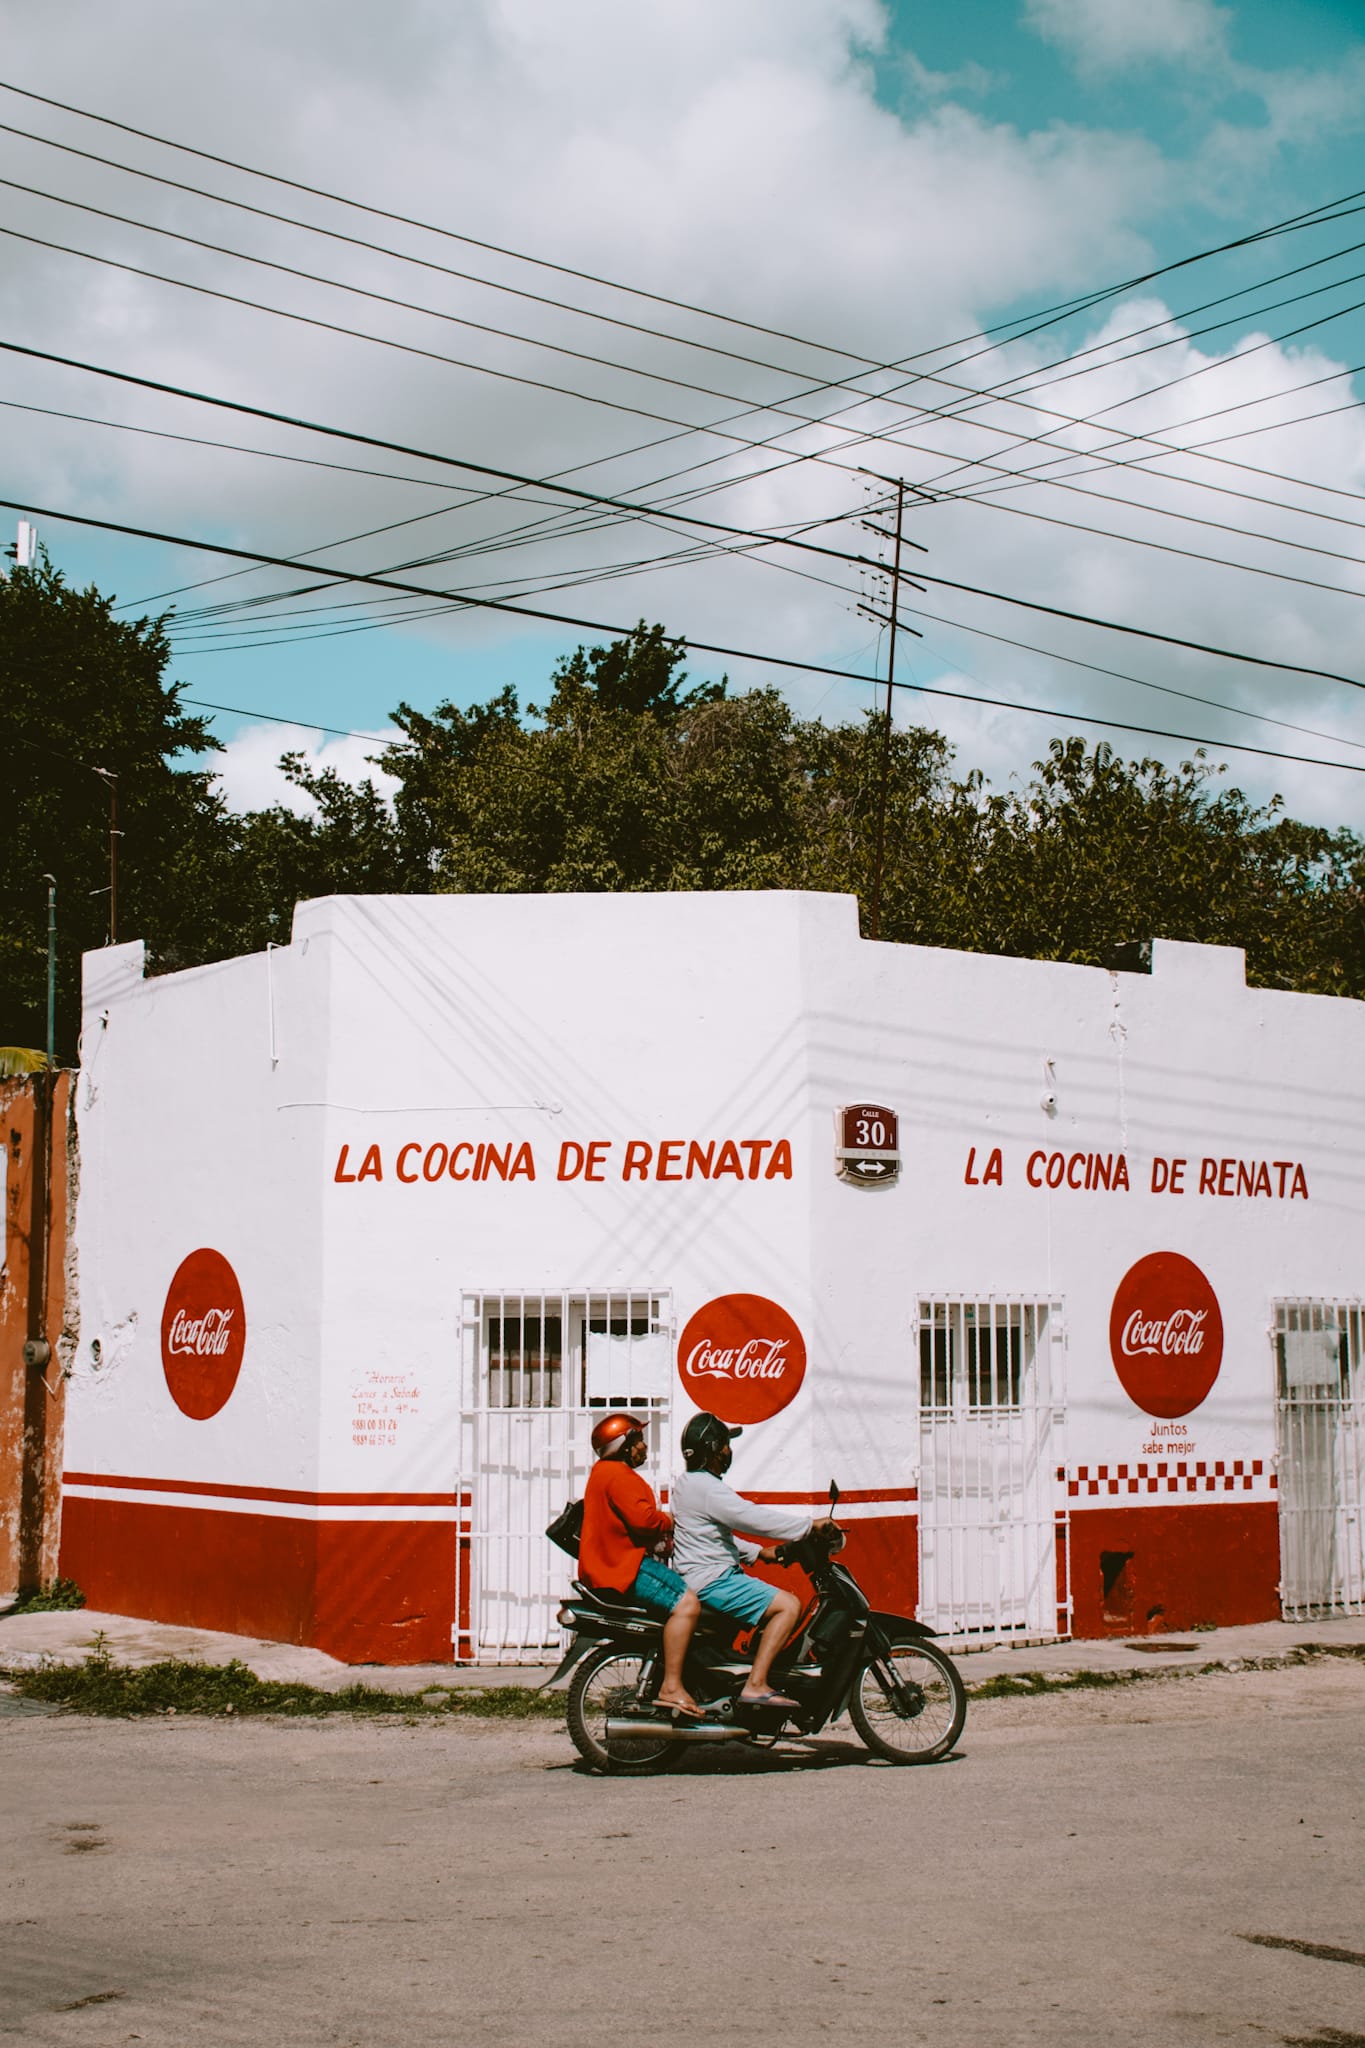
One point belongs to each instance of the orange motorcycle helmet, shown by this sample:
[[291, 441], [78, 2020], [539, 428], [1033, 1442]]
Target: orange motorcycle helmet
[[612, 1433]]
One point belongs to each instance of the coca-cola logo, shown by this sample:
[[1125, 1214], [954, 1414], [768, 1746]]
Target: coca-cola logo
[[742, 1357], [203, 1334], [206, 1336], [1166, 1334]]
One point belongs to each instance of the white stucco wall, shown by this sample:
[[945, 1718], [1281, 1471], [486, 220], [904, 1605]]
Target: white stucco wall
[[215, 1105]]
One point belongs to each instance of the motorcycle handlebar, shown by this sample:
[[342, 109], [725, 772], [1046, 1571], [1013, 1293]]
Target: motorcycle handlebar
[[813, 1549]]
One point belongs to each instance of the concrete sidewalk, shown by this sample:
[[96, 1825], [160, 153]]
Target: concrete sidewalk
[[30, 1639]]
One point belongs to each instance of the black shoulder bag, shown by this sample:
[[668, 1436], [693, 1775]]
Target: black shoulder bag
[[567, 1527]]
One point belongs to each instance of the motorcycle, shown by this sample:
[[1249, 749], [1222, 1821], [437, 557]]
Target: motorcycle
[[903, 1694]]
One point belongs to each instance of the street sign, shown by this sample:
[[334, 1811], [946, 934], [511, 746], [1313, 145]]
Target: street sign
[[867, 1143]]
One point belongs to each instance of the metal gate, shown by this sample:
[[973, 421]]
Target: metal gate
[[992, 1510], [1320, 1441], [537, 1369]]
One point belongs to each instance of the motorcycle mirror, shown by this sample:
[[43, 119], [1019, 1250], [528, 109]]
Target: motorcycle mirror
[[833, 1495]]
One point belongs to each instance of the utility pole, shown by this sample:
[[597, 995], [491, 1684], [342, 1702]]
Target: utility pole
[[891, 619], [51, 881], [876, 920]]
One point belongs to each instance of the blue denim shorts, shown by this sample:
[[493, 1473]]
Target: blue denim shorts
[[658, 1584], [734, 1592]]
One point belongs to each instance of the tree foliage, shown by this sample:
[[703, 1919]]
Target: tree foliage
[[82, 691], [627, 778]]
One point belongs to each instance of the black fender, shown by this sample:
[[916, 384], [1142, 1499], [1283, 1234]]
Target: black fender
[[896, 1627], [576, 1652]]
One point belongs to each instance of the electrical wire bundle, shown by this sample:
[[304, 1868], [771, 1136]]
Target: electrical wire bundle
[[976, 424]]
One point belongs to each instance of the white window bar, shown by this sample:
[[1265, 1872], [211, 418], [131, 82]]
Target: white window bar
[[992, 1506], [1320, 1456], [538, 1368]]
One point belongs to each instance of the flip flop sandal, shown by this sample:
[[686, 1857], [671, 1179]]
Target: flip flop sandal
[[766, 1699], [683, 1713]]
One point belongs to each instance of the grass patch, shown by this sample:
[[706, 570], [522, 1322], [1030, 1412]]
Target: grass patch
[[174, 1686], [1020, 1685], [61, 1597]]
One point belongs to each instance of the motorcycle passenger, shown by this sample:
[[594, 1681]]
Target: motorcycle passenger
[[622, 1524], [707, 1551]]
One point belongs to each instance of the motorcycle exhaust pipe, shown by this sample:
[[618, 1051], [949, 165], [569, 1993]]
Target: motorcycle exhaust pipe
[[620, 1729]]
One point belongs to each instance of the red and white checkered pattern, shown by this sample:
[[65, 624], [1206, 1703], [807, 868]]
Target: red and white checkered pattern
[[1184, 1475]]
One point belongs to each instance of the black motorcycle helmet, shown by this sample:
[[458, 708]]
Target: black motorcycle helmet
[[704, 1434]]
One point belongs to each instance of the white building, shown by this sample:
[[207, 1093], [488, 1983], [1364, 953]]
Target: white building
[[371, 1226]]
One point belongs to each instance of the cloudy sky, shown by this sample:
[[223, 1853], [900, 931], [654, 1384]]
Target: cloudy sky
[[721, 259]]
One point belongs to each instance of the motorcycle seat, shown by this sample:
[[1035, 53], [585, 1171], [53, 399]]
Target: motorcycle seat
[[612, 1602]]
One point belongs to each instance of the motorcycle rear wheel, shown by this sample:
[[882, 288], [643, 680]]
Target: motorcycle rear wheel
[[609, 1682], [919, 1717]]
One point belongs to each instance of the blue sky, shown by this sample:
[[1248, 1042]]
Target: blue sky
[[881, 178]]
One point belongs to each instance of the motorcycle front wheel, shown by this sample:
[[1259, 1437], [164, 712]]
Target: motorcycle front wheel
[[910, 1705], [609, 1682]]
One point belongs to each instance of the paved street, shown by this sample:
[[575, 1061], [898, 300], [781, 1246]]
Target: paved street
[[1082, 1872]]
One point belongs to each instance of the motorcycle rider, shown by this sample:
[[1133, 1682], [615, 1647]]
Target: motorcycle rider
[[707, 1551], [622, 1524]]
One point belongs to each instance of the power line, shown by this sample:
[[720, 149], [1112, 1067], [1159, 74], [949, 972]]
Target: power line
[[1319, 215], [562, 306], [540, 384], [380, 298], [701, 646], [91, 419], [400, 448], [634, 511], [314, 320], [340, 732], [1314, 217], [914, 689], [1067, 372], [294, 636], [775, 406], [248, 643]]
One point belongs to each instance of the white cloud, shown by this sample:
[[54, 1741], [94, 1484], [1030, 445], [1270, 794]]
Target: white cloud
[[1113, 35], [971, 78], [249, 767], [1305, 106], [732, 157]]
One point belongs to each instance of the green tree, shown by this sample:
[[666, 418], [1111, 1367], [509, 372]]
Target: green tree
[[81, 692], [628, 780], [1096, 853], [349, 844]]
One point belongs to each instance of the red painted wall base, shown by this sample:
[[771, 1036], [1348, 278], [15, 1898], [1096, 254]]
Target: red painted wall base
[[384, 1592], [883, 1556], [365, 1592], [1145, 1570]]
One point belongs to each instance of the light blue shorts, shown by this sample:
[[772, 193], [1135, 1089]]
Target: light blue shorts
[[658, 1585], [734, 1592]]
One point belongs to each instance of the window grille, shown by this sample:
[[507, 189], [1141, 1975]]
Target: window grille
[[1320, 1444], [993, 1511], [975, 1353], [537, 1369]]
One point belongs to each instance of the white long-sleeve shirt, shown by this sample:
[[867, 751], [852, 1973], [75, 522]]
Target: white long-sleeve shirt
[[706, 1513]]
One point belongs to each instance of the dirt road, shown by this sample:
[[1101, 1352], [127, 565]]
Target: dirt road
[[1082, 1873]]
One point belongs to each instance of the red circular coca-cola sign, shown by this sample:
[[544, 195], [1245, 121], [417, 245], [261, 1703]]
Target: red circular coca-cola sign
[[742, 1357], [1166, 1334], [203, 1334]]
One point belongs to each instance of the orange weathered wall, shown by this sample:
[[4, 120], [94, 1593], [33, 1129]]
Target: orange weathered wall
[[36, 1300]]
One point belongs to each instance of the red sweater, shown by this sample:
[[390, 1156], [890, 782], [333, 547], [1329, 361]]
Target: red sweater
[[621, 1521]]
